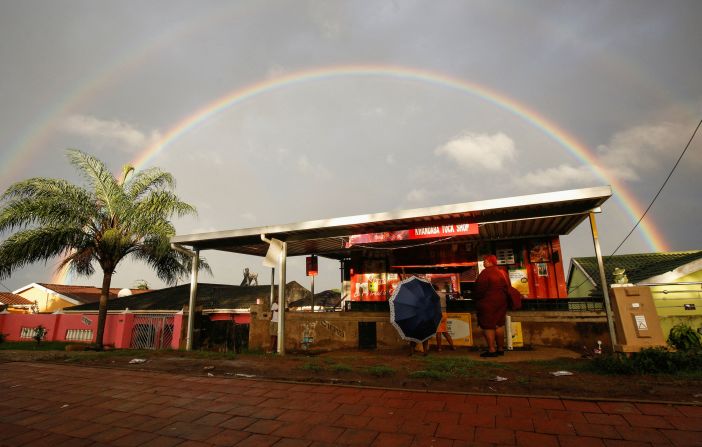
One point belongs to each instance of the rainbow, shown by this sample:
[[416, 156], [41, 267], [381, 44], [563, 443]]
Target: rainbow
[[63, 275], [650, 233], [627, 200]]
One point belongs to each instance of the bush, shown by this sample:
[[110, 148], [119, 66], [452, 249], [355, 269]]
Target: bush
[[683, 338], [2, 337], [649, 361]]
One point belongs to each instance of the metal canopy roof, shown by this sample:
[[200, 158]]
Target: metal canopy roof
[[535, 215]]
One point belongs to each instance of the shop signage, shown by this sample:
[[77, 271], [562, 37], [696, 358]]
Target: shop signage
[[415, 233]]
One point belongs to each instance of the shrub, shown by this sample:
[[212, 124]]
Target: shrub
[[612, 364], [683, 338], [653, 360], [649, 361], [2, 337]]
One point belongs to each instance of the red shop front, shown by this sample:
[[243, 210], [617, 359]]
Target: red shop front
[[449, 257]]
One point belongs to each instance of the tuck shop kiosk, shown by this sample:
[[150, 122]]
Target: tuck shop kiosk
[[635, 319]]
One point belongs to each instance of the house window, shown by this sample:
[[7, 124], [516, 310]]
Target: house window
[[28, 332], [79, 335]]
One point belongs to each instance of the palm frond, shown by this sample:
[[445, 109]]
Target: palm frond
[[80, 261], [36, 244], [165, 204], [107, 189], [152, 179], [170, 265], [61, 209], [126, 171]]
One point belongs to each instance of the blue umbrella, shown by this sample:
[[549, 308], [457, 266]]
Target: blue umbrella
[[415, 309]]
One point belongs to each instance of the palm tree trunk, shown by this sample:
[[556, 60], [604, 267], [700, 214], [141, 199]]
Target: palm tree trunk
[[102, 313]]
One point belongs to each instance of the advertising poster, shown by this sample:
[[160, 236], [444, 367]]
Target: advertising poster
[[518, 279], [459, 328], [517, 337], [539, 252], [373, 286]]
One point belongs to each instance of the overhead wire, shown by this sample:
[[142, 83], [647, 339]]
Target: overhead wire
[[665, 182]]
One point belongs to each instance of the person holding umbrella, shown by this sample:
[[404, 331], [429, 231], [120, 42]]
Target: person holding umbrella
[[415, 311], [425, 347], [491, 305]]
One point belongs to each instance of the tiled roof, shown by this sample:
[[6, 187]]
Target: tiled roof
[[639, 267], [14, 300], [209, 296], [85, 294]]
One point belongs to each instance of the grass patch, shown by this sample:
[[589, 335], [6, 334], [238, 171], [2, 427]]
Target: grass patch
[[560, 364], [204, 354], [457, 367], [339, 368], [33, 346], [429, 374], [523, 380], [380, 371], [254, 352], [312, 366]]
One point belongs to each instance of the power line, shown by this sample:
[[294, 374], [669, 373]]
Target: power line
[[670, 174], [661, 188]]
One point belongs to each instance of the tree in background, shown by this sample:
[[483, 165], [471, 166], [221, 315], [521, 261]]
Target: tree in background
[[100, 224]]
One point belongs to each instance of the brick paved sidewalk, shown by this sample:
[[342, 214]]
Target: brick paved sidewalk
[[64, 405]]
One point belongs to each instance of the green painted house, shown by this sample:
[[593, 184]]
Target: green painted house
[[678, 295]]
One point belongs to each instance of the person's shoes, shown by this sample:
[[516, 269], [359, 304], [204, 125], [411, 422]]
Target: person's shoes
[[500, 352], [489, 354]]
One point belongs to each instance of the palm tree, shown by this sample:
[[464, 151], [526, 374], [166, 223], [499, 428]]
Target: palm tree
[[101, 224]]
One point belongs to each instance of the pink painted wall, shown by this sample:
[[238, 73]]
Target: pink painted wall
[[179, 334], [118, 327]]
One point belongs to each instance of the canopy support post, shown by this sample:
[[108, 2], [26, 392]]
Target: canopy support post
[[281, 298], [603, 279], [195, 266]]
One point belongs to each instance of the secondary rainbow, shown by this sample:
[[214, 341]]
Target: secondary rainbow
[[627, 200]]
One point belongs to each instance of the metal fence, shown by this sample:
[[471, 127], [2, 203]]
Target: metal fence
[[152, 332]]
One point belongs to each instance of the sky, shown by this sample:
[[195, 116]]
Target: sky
[[274, 112]]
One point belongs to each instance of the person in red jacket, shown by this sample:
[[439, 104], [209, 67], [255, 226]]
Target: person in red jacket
[[491, 305]]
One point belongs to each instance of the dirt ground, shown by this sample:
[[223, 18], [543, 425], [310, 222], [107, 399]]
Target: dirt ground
[[528, 373]]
